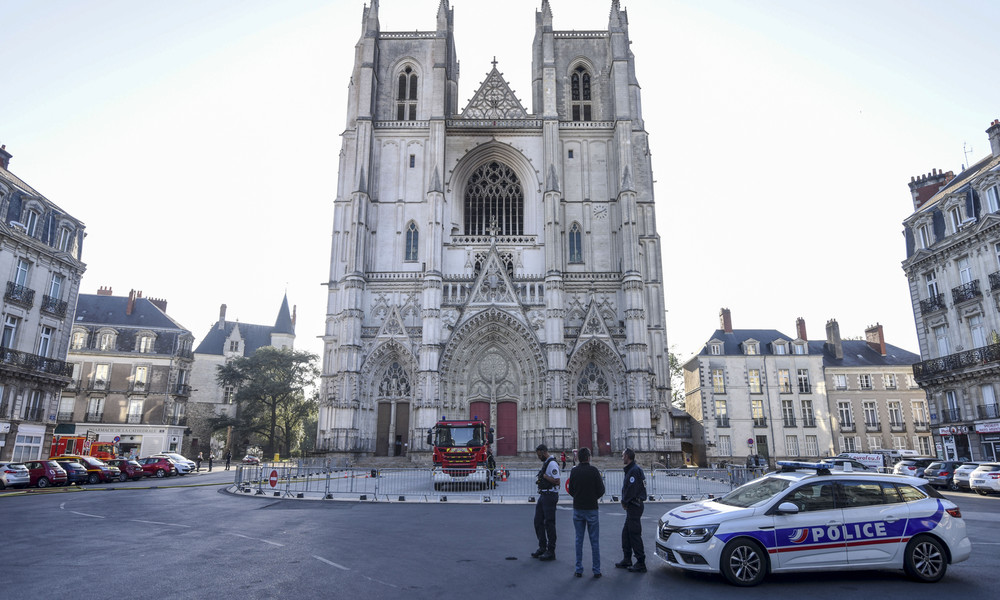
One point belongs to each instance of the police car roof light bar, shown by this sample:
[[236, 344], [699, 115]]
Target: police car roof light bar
[[788, 466]]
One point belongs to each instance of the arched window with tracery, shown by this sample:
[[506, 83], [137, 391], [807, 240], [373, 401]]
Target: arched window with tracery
[[406, 96], [395, 383], [575, 244], [494, 201], [412, 238], [592, 382], [580, 94]]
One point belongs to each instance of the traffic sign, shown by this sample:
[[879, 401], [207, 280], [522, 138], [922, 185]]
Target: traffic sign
[[749, 441], [117, 439], [274, 478]]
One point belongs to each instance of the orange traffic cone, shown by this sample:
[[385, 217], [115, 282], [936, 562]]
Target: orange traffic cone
[[503, 473]]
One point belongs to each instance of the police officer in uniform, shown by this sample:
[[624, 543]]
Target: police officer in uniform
[[633, 497], [545, 508]]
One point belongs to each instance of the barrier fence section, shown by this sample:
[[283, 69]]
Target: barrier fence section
[[319, 479]]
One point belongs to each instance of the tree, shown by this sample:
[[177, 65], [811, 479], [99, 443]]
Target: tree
[[270, 393], [676, 379]]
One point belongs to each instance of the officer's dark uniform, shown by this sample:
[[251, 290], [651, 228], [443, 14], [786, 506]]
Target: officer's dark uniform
[[545, 515], [633, 495]]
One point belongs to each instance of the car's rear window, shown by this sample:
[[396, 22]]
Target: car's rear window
[[986, 468], [912, 494], [755, 492], [935, 465]]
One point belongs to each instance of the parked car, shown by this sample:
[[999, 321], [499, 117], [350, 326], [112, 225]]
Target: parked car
[[912, 466], [250, 459], [44, 473], [158, 466], [183, 465], [14, 475], [75, 472], [962, 475], [129, 469], [986, 478], [941, 474], [97, 471]]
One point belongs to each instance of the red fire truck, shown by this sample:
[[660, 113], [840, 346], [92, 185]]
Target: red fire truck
[[81, 445], [460, 452]]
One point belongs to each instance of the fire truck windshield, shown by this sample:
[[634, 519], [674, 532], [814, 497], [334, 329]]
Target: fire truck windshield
[[447, 436]]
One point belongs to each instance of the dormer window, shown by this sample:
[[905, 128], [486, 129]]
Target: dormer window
[[145, 343], [923, 236], [750, 348], [31, 222], [955, 218], [780, 348], [800, 348], [106, 340], [993, 199], [717, 349], [65, 235], [406, 96], [580, 94]]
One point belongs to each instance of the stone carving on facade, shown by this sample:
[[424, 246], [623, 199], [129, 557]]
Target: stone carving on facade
[[494, 100]]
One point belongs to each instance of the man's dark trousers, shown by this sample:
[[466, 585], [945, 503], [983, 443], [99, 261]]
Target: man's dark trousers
[[632, 533], [545, 520]]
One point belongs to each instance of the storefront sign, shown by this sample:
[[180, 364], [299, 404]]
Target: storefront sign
[[990, 427]]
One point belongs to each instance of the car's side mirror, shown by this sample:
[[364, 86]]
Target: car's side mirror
[[489, 436], [429, 435], [788, 508]]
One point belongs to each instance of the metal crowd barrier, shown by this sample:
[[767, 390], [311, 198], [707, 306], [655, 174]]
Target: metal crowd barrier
[[320, 480]]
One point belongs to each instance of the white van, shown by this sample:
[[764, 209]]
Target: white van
[[872, 460]]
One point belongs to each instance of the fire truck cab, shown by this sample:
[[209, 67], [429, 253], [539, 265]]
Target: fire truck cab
[[460, 451]]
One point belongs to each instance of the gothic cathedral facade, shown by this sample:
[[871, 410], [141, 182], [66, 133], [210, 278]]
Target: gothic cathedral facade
[[494, 262]]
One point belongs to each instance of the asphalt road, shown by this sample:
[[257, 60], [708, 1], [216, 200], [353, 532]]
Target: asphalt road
[[196, 541]]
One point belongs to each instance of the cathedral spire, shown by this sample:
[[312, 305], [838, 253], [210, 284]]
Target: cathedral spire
[[370, 23], [552, 184], [615, 19], [436, 182], [627, 181]]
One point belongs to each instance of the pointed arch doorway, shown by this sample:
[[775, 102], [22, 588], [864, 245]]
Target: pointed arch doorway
[[593, 410], [393, 412]]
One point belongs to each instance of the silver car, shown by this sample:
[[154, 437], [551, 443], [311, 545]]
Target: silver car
[[14, 475]]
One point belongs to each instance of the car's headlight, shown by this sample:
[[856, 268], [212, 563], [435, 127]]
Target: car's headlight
[[697, 535]]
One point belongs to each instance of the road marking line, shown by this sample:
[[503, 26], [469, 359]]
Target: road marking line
[[159, 523], [272, 543], [243, 536], [86, 515], [62, 506], [331, 563]]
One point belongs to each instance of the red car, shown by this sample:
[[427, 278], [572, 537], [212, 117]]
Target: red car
[[158, 466], [97, 471], [44, 473], [130, 469]]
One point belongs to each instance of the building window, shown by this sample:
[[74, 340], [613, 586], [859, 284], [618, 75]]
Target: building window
[[141, 377], [575, 244], [780, 349], [788, 413], [101, 376], [10, 325], [717, 349], [135, 410], [840, 382], [751, 348], [955, 217], [234, 345], [79, 340], [27, 447], [993, 199], [874, 442], [718, 381], [753, 376], [580, 94], [812, 445], [919, 410], [846, 415], [21, 273], [923, 236], [413, 160], [978, 331], [800, 348], [804, 387], [95, 410], [792, 445], [725, 446], [65, 235], [494, 201], [889, 380], [757, 413], [145, 343], [924, 443], [31, 222], [865, 381], [569, 154], [592, 382], [932, 287], [32, 408], [228, 394], [808, 417], [721, 414], [849, 443], [941, 335], [412, 240], [965, 270], [894, 408], [871, 414], [45, 341], [396, 383], [106, 341], [55, 286], [406, 96], [898, 442]]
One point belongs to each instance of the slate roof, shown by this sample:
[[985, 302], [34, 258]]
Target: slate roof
[[110, 310], [857, 353], [283, 324], [254, 336], [731, 341], [962, 180]]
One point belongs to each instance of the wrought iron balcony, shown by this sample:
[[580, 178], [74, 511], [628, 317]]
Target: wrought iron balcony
[[32, 414], [722, 421], [20, 295], [35, 363], [994, 281], [54, 306], [848, 426], [681, 433], [98, 384], [988, 411], [935, 302], [921, 426], [64, 416], [94, 417], [951, 415], [139, 387], [183, 390], [926, 370], [870, 427], [896, 426], [132, 419], [966, 291], [789, 421], [760, 422]]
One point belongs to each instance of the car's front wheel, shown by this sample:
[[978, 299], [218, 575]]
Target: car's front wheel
[[123, 477], [743, 563], [925, 559], [93, 478], [161, 473]]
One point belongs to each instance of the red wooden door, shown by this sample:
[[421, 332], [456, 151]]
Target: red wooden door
[[480, 409], [506, 429], [603, 429], [583, 428]]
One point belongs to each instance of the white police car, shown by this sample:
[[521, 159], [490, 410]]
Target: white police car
[[806, 517]]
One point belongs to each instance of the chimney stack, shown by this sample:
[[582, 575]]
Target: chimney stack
[[222, 318], [725, 320], [876, 338], [833, 341], [924, 187], [104, 291], [159, 303], [4, 156], [131, 302], [994, 132], [800, 328]]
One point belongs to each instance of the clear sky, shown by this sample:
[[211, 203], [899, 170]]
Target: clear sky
[[198, 141]]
